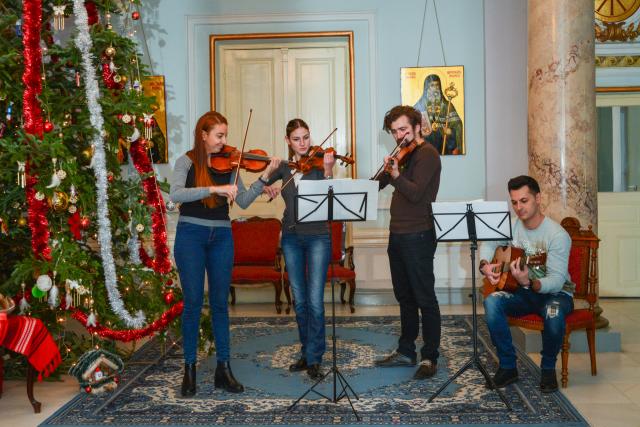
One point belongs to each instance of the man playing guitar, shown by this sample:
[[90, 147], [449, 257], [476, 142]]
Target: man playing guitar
[[546, 290]]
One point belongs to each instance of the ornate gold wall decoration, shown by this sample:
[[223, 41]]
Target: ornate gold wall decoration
[[615, 31], [615, 10], [618, 61]]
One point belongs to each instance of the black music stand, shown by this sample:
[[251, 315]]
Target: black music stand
[[471, 222], [327, 207]]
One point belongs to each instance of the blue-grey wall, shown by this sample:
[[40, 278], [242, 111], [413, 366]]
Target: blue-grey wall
[[386, 37]]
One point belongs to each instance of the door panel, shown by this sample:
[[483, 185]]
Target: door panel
[[281, 83]]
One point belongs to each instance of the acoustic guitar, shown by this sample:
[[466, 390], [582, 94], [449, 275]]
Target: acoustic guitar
[[504, 256]]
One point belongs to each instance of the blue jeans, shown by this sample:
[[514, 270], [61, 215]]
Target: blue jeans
[[411, 263], [307, 259], [553, 308], [199, 248]]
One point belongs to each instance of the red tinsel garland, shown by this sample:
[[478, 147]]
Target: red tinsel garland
[[131, 334], [107, 77], [161, 263], [37, 218], [92, 12], [31, 26], [33, 121]]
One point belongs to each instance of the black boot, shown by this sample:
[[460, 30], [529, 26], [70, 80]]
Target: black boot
[[548, 381], [224, 379], [189, 380]]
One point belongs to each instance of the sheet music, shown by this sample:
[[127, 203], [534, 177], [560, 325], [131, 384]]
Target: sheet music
[[492, 220], [354, 200]]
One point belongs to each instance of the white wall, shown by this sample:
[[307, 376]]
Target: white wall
[[506, 93]]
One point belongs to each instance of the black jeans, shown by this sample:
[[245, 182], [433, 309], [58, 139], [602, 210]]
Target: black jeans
[[411, 262]]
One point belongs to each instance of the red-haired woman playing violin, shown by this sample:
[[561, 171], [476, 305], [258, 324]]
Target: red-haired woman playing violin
[[204, 242]]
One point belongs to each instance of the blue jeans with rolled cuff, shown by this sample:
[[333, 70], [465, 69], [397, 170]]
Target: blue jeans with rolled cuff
[[553, 308], [198, 249], [307, 259]]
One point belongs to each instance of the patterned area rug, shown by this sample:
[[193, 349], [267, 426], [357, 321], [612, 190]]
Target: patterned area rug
[[263, 348]]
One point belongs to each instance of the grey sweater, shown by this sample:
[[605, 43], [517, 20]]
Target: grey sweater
[[182, 194], [549, 237], [288, 194]]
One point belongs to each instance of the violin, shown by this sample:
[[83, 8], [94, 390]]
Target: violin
[[398, 155], [229, 158], [316, 159]]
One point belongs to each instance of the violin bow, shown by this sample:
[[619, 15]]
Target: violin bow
[[310, 156], [244, 142]]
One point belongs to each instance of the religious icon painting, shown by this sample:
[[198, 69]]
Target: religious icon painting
[[153, 124], [438, 93]]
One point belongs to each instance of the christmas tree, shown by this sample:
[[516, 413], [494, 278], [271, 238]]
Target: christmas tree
[[77, 236]]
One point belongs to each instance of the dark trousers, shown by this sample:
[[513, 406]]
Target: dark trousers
[[411, 262]]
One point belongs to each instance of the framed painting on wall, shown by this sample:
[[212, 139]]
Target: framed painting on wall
[[159, 142], [438, 93]]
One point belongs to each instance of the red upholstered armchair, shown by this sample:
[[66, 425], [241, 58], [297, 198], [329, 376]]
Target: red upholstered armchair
[[341, 268], [257, 256], [583, 269]]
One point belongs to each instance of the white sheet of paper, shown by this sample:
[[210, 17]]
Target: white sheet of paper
[[452, 226], [349, 197]]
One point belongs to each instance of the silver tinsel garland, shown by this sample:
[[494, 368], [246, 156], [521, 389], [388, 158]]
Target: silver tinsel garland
[[84, 43]]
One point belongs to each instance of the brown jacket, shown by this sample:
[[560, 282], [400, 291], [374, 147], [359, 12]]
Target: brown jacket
[[415, 189]]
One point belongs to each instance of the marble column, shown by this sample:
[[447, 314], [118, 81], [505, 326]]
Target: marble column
[[562, 109]]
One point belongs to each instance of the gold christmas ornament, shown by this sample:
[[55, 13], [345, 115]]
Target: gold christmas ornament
[[59, 201], [110, 51], [22, 221]]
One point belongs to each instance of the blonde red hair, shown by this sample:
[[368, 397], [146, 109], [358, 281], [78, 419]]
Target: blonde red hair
[[199, 156]]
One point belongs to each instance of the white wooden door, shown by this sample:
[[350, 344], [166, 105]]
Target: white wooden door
[[279, 84]]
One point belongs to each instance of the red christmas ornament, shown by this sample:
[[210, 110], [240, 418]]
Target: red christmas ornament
[[120, 116], [110, 177], [88, 389], [116, 379], [169, 297], [85, 222], [48, 126], [169, 282], [135, 15]]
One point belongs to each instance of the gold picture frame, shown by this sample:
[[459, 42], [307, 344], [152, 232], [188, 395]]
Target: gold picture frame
[[218, 38], [438, 93], [154, 86]]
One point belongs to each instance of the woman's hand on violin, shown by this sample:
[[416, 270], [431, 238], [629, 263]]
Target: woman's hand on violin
[[391, 166], [229, 191], [271, 190], [271, 167], [328, 161]]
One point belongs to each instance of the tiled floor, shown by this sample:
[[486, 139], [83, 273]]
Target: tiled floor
[[610, 399]]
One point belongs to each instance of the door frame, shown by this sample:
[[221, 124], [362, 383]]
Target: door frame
[[217, 38]]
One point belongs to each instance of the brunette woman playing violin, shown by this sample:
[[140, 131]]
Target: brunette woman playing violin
[[204, 242], [412, 242], [306, 249]]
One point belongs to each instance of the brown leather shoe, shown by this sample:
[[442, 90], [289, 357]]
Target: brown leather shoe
[[427, 369], [395, 359]]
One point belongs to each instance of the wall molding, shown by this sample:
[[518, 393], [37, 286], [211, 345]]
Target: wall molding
[[193, 22]]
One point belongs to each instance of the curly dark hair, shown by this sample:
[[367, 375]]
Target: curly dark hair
[[414, 116], [524, 180]]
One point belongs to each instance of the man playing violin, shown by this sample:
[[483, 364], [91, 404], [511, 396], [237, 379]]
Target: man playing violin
[[412, 242], [546, 291]]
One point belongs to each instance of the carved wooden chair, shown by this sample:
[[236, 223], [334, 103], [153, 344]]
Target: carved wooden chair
[[341, 267], [257, 257], [583, 269]]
